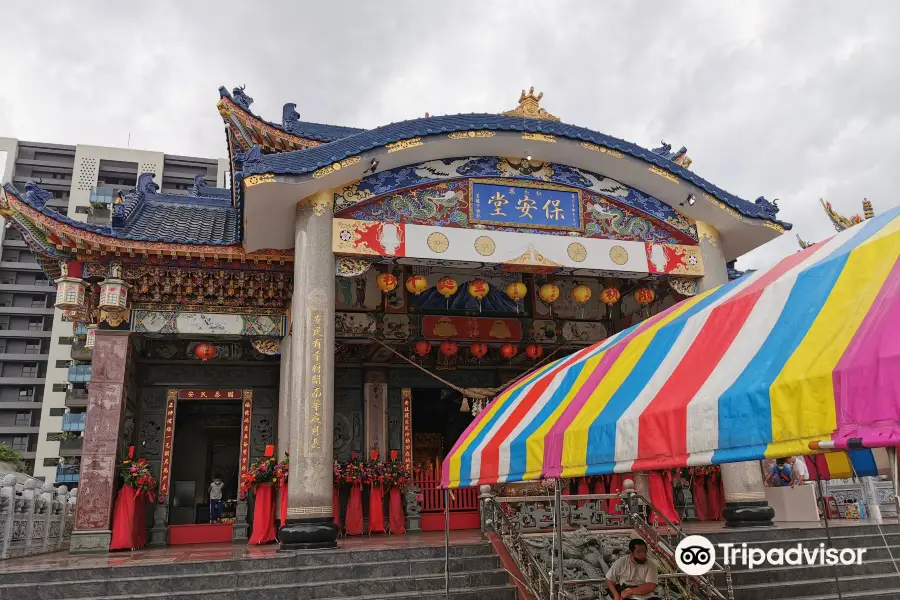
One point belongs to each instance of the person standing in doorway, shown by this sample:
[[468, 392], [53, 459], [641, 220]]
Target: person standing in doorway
[[215, 498]]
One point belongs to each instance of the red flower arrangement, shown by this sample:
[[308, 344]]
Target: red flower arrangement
[[395, 473], [352, 471], [136, 474], [265, 469]]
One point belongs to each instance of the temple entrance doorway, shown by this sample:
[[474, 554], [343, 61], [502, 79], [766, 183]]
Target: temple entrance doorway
[[437, 422], [207, 445]]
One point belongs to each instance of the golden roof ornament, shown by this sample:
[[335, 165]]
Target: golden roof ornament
[[529, 107]]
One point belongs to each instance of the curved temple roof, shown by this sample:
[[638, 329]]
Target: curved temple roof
[[301, 162]]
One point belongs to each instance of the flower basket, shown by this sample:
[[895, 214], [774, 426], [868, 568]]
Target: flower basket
[[129, 529]]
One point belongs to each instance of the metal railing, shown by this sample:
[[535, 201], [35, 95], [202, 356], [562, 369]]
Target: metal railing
[[74, 421], [589, 511], [496, 519]]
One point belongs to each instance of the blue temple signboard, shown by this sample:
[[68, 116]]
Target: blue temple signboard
[[535, 206]]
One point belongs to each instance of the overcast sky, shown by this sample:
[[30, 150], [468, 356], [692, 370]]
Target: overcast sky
[[792, 100]]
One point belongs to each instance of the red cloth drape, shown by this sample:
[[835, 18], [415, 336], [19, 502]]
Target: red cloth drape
[[124, 532], [715, 497], [583, 489], [613, 506], [661, 496], [376, 509], [284, 502], [600, 485], [263, 515], [396, 520], [353, 522], [336, 507], [140, 520], [701, 501]]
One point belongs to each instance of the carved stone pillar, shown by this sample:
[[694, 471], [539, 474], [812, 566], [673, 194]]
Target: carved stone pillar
[[284, 398], [310, 523], [106, 404], [745, 492]]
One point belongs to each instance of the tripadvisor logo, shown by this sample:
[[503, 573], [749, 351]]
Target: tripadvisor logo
[[696, 555]]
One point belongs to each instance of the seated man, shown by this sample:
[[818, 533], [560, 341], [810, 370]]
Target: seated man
[[633, 575], [780, 475]]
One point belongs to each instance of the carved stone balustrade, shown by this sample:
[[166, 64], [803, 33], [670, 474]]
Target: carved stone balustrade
[[40, 519]]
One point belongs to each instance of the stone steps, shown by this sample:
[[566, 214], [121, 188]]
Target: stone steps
[[796, 589], [390, 573]]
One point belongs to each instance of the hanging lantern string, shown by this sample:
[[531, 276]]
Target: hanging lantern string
[[475, 393]]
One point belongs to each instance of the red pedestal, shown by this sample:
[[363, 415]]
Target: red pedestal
[[376, 509], [128, 532], [263, 515], [353, 523], [396, 519], [715, 497]]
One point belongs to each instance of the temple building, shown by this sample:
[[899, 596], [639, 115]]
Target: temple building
[[358, 288]]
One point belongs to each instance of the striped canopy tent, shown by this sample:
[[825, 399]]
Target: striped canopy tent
[[805, 351]]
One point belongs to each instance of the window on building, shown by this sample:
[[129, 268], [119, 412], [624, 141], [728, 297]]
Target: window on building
[[38, 302], [26, 392], [20, 443], [23, 418], [63, 364], [65, 341], [60, 387], [36, 324], [57, 412], [29, 370], [51, 462], [82, 210], [32, 347]]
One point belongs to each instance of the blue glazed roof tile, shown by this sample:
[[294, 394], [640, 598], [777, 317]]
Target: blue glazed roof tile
[[151, 217], [305, 161]]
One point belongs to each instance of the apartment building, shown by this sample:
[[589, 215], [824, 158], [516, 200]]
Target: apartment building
[[44, 367]]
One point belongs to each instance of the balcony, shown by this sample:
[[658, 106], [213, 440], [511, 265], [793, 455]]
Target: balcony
[[23, 381], [19, 266], [79, 351], [71, 447], [20, 406], [19, 429], [42, 288], [79, 329], [77, 398], [73, 422], [26, 333], [79, 373], [67, 473], [22, 310], [23, 357], [15, 244]]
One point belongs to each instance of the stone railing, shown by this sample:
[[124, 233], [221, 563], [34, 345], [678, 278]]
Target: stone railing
[[39, 519]]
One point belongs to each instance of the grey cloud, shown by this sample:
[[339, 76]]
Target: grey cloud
[[791, 100]]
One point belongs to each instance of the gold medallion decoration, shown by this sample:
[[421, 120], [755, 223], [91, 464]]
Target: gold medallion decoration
[[438, 242], [404, 144], [485, 246], [577, 252], [618, 255], [539, 137], [337, 166], [258, 179], [663, 173], [460, 135]]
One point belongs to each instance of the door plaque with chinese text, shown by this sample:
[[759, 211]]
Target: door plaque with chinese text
[[535, 206]]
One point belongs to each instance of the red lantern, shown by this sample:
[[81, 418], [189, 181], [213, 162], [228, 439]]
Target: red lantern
[[509, 350], [205, 351], [448, 348], [422, 348], [534, 351], [478, 350], [644, 296]]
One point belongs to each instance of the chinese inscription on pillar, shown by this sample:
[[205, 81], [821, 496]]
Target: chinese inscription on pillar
[[406, 395], [210, 394], [316, 396], [171, 400], [245, 431]]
